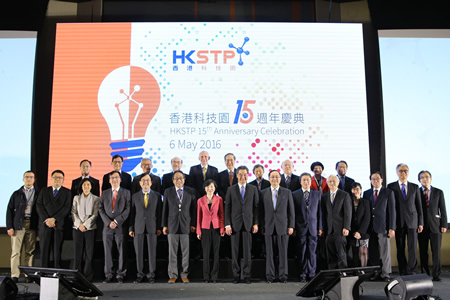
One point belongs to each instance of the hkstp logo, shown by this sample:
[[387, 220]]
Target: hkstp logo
[[205, 56], [243, 112]]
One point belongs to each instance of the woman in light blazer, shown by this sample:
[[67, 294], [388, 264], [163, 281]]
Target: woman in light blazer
[[84, 215], [210, 227]]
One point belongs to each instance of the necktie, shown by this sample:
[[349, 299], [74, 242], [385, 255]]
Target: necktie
[[145, 199], [403, 191], [342, 179], [306, 197], [288, 181], [180, 194], [242, 193], [204, 173], [274, 198], [55, 192], [426, 197], [27, 194], [114, 199], [230, 178], [332, 197], [375, 196], [259, 185]]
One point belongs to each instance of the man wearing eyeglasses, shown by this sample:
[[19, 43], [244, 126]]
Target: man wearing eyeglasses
[[166, 181], [146, 166], [125, 178], [409, 219], [53, 205]]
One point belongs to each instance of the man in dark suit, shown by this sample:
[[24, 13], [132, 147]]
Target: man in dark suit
[[409, 219], [125, 178], [167, 179], [435, 223], [114, 210], [228, 176], [337, 210], [308, 225], [22, 223], [382, 226], [200, 173], [345, 182], [145, 221], [241, 219], [146, 166], [53, 205], [259, 182], [289, 180], [85, 167], [277, 222], [179, 218]]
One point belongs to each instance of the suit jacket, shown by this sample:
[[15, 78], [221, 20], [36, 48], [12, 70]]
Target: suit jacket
[[279, 219], [58, 207], [121, 210], [337, 215], [179, 219], [325, 188], [361, 219], [435, 215], [383, 213], [15, 212], [95, 186], [91, 222], [196, 177], [308, 219], [205, 216], [294, 184], [167, 181], [264, 184], [136, 186], [238, 214], [409, 211], [144, 219], [125, 181], [347, 184], [224, 182]]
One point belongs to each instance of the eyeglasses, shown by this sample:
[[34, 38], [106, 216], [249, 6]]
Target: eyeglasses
[[114, 177], [58, 177], [403, 171], [274, 177], [145, 180], [117, 162], [178, 178]]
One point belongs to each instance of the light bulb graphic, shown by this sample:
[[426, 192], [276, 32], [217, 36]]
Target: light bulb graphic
[[128, 99]]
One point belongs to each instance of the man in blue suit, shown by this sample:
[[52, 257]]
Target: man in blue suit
[[308, 225]]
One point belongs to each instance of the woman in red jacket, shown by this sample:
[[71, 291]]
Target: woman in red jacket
[[210, 227]]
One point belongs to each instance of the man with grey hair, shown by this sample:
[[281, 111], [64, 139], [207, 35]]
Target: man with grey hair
[[409, 219], [167, 182], [146, 166], [288, 179], [200, 173], [337, 211], [228, 176]]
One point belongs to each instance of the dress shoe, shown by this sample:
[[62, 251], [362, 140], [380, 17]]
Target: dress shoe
[[303, 279], [437, 279], [151, 280], [269, 281], [120, 280], [107, 280], [236, 280], [385, 278], [185, 280], [172, 280], [15, 279], [138, 280], [213, 281], [248, 280]]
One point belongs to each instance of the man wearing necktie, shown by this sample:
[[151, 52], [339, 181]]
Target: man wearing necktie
[[288, 179], [435, 224], [179, 218], [241, 220], [85, 168], [166, 180], [345, 182], [53, 205], [409, 219], [21, 224], [114, 209], [145, 222], [228, 176], [200, 173], [308, 226], [146, 166], [382, 226], [337, 210], [277, 220]]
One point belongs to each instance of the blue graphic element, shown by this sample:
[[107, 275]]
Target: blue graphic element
[[240, 50], [127, 144], [245, 115], [128, 149]]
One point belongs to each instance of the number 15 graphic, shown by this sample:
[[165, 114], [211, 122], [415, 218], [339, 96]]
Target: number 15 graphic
[[247, 113]]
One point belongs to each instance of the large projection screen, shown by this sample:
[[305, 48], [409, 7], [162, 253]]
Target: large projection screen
[[415, 71], [266, 92], [17, 56]]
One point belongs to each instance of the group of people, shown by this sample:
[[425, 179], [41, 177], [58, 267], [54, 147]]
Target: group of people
[[333, 223]]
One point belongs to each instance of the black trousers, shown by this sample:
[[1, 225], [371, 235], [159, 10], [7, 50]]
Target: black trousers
[[246, 252], [336, 251], [84, 244], [405, 236], [435, 240], [210, 240], [46, 235]]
